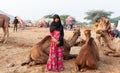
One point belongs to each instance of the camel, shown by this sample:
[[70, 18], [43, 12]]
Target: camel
[[39, 52], [80, 42], [4, 23], [88, 56], [104, 24], [114, 47]]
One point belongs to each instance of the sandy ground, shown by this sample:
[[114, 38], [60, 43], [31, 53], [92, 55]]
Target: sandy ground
[[16, 51]]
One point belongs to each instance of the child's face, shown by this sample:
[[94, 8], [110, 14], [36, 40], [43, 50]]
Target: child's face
[[56, 19]]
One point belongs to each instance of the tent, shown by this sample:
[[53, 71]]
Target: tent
[[44, 22]]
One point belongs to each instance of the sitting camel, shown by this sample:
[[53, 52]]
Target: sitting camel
[[40, 52], [4, 23], [114, 47], [103, 24], [89, 55], [80, 42]]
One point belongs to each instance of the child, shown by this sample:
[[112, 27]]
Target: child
[[55, 61]]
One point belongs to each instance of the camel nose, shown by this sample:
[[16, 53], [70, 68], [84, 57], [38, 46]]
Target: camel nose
[[80, 34]]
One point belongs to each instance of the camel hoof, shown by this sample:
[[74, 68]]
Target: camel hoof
[[83, 70], [76, 69], [114, 55], [32, 63], [4, 42], [106, 53]]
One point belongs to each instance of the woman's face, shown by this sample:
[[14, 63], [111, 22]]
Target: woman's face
[[56, 20]]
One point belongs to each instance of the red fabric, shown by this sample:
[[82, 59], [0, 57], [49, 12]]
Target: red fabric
[[55, 61]]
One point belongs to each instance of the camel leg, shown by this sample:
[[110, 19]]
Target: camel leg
[[91, 63], [6, 34], [2, 40], [71, 56], [111, 48], [108, 45], [66, 54], [99, 40], [41, 60], [76, 66], [114, 54]]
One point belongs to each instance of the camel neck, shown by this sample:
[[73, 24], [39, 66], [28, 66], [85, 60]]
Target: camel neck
[[73, 40], [87, 38]]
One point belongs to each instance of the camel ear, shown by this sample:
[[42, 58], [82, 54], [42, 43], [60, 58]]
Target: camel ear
[[74, 29], [77, 28]]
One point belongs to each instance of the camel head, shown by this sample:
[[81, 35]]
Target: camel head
[[75, 36], [77, 31], [87, 32], [102, 32]]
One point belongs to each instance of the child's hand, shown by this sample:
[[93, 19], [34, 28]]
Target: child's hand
[[57, 42], [54, 40]]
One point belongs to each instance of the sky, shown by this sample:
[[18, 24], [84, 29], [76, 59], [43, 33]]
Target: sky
[[36, 9]]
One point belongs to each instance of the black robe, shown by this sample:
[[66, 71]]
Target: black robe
[[58, 27]]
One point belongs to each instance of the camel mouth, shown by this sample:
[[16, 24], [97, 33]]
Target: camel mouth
[[79, 34], [100, 31]]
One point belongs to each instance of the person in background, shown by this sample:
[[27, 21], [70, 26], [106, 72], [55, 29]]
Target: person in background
[[15, 22]]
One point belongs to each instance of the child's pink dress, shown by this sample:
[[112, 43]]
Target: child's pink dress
[[55, 61]]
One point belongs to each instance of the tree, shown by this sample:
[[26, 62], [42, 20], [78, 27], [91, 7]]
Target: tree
[[48, 16], [62, 17], [115, 20], [93, 15]]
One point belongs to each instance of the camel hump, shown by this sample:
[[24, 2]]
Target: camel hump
[[48, 37], [4, 16]]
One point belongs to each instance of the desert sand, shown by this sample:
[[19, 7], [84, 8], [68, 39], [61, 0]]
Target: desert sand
[[18, 46]]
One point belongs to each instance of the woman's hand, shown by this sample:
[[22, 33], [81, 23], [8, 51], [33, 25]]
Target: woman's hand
[[55, 41]]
